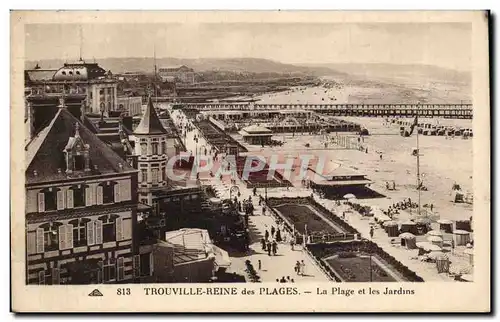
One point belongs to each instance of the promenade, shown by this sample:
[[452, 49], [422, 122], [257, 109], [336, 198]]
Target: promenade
[[273, 267]]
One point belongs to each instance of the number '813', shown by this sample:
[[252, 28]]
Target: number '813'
[[123, 291]]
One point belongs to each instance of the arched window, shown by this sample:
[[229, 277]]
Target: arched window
[[144, 148]]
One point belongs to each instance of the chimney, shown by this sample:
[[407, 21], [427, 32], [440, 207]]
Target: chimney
[[29, 118]]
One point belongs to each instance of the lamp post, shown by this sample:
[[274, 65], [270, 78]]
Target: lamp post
[[369, 254], [234, 189]]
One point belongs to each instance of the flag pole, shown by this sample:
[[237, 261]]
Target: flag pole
[[418, 167]]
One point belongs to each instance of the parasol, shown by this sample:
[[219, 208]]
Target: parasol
[[407, 236], [215, 201], [435, 233], [428, 246], [467, 277], [437, 255], [383, 218], [434, 239], [390, 223], [460, 232]]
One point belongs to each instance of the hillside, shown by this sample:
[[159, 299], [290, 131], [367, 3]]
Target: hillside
[[146, 64]]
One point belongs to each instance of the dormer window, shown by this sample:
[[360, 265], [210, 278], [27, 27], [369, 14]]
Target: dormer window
[[77, 153], [78, 72], [71, 73], [63, 72]]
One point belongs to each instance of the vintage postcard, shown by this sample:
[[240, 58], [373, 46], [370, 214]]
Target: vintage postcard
[[250, 161]]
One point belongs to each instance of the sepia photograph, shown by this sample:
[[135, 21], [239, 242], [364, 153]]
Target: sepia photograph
[[202, 157]]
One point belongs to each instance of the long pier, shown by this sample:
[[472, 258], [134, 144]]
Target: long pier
[[373, 110]]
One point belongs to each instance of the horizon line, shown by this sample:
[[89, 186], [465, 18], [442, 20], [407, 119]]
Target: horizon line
[[297, 64]]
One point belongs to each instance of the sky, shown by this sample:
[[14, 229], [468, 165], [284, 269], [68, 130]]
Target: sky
[[445, 45]]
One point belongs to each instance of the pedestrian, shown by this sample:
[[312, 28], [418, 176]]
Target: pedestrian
[[263, 211], [371, 232], [254, 191], [297, 268], [288, 279], [269, 248], [283, 280], [292, 243], [432, 206], [278, 236], [260, 265], [274, 245], [272, 231], [266, 234], [303, 268], [277, 280], [263, 243], [293, 281]]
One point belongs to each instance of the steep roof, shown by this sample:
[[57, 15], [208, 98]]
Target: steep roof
[[44, 153], [150, 122]]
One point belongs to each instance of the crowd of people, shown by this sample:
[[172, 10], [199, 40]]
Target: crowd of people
[[285, 280]]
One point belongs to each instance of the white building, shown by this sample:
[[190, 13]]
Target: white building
[[130, 105]]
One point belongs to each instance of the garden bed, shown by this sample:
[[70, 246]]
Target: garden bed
[[332, 255], [300, 211]]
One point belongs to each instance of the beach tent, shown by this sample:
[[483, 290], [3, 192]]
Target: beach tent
[[457, 196], [463, 225], [442, 262], [408, 227], [445, 225], [408, 240], [423, 225], [391, 228], [461, 237]]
